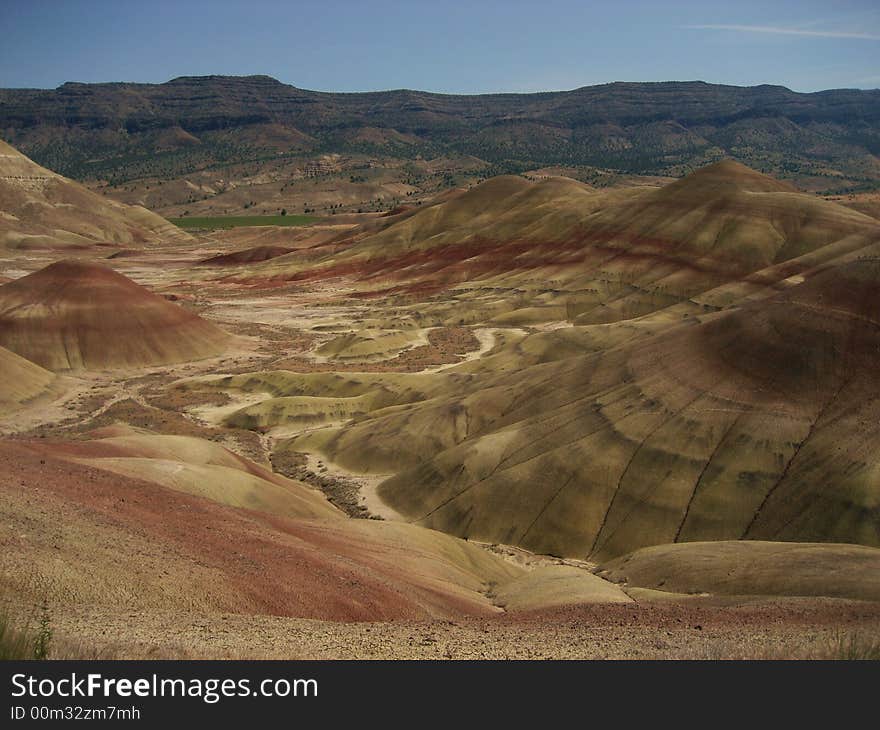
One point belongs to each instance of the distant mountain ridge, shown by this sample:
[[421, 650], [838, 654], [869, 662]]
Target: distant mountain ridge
[[103, 130]]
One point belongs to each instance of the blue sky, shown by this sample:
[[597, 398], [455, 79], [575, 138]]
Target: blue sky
[[447, 46]]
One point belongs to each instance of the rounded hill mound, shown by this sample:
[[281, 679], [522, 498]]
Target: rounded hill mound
[[74, 315]]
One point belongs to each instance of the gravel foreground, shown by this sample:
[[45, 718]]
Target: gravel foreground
[[699, 628]]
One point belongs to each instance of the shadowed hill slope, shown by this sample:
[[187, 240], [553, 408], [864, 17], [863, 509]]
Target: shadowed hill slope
[[40, 209], [76, 315], [247, 256], [719, 383], [758, 422]]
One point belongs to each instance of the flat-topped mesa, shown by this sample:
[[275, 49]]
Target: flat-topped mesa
[[628, 127], [75, 315]]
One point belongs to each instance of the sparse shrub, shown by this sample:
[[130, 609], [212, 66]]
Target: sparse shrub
[[44, 634], [853, 646], [19, 641]]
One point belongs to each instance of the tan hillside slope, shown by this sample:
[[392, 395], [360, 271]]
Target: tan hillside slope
[[442, 235], [198, 467], [739, 218], [750, 567], [557, 585], [73, 315], [727, 175], [760, 422], [41, 209], [21, 380]]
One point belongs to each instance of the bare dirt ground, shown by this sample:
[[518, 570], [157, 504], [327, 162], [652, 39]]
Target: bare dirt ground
[[698, 629]]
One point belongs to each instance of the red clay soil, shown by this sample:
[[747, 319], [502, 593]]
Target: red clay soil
[[435, 269], [260, 564]]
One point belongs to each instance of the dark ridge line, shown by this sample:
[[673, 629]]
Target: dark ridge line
[[545, 508]]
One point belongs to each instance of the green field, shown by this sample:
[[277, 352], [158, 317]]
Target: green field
[[215, 222]]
